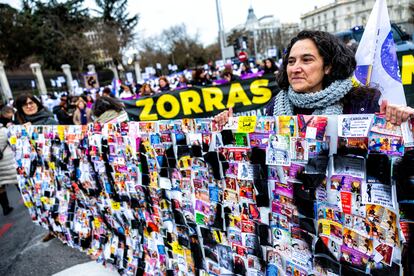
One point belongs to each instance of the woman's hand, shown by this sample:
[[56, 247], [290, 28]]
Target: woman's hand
[[394, 113], [222, 118], [27, 124]]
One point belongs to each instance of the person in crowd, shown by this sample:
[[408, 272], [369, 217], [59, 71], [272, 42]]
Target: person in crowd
[[315, 78], [269, 66], [182, 82], [126, 92], [199, 77], [51, 101], [146, 90], [6, 115], [164, 84], [106, 92], [107, 109], [245, 69], [7, 169], [62, 111], [229, 76], [29, 110], [89, 101], [82, 114]]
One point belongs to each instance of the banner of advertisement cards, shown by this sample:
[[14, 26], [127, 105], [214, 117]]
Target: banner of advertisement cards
[[287, 195]]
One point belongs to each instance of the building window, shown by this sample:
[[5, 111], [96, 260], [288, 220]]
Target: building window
[[363, 2], [334, 13]]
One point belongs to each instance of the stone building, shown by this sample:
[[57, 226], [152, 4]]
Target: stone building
[[342, 15]]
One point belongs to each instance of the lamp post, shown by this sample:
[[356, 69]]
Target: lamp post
[[221, 28]]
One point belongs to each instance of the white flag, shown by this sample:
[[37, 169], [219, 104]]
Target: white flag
[[377, 62]]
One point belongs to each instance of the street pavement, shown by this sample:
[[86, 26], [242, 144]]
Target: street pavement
[[22, 251]]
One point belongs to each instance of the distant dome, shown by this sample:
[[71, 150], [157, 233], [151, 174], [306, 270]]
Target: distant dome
[[251, 22]]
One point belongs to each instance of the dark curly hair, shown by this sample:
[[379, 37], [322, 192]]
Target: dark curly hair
[[333, 51]]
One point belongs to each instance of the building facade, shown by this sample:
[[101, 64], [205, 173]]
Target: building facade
[[261, 37], [342, 15]]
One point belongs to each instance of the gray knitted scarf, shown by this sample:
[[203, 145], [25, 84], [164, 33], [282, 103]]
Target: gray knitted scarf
[[325, 102]]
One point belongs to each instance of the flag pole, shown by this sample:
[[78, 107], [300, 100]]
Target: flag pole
[[369, 74]]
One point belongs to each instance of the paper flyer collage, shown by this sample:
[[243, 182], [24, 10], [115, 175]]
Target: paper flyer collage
[[263, 196]]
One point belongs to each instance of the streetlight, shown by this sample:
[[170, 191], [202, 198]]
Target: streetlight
[[221, 28]]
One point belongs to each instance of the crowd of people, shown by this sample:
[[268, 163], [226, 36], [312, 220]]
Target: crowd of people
[[200, 76]]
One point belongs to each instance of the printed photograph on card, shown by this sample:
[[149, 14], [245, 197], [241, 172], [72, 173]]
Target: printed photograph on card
[[266, 124], [354, 125], [287, 125], [346, 183], [245, 171], [383, 253], [377, 193], [311, 126], [260, 140], [354, 257], [353, 145], [241, 139], [390, 145], [299, 149], [277, 157], [277, 141], [407, 129], [381, 125], [203, 125]]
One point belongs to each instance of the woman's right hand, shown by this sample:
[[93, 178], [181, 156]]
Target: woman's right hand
[[222, 118]]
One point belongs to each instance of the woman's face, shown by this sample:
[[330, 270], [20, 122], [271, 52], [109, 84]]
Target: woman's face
[[81, 105], [30, 107], [305, 67], [268, 63], [162, 83]]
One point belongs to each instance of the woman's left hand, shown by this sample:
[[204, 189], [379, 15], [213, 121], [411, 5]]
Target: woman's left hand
[[395, 113]]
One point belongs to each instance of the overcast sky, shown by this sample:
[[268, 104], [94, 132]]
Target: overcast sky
[[201, 16]]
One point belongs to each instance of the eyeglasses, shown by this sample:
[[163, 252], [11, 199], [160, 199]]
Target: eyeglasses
[[29, 103]]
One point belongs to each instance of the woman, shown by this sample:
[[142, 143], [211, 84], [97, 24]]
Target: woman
[[245, 69], [82, 114], [316, 79], [182, 82], [146, 90], [199, 78], [126, 92], [29, 110], [89, 101], [164, 84], [109, 110], [270, 66], [7, 168]]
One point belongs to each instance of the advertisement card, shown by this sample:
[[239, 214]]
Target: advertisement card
[[354, 125]]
